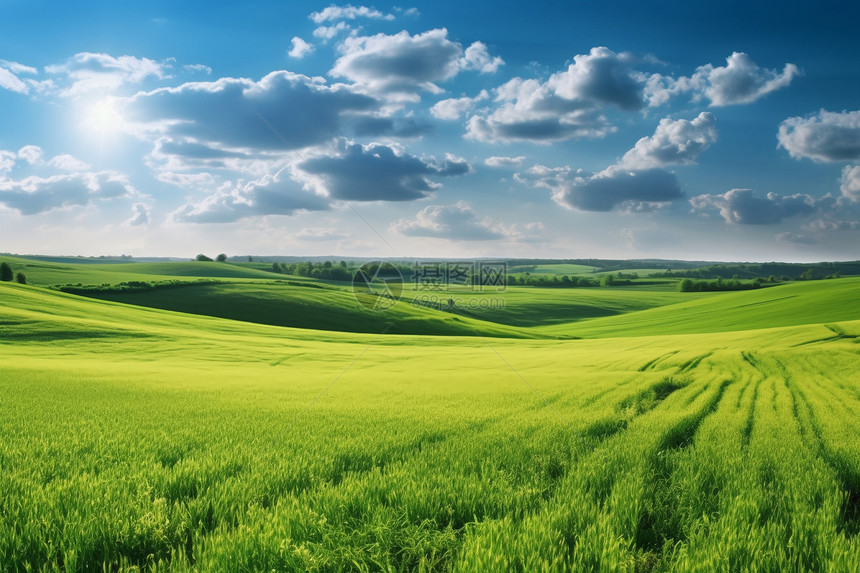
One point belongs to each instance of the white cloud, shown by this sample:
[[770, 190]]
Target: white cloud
[[454, 108], [500, 161], [568, 105], [140, 215], [7, 160], [477, 57], [329, 32], [634, 190], [742, 80], [400, 65], [270, 195], [376, 172], [198, 68], [453, 222], [66, 162], [349, 12], [300, 48], [11, 82], [742, 207], [675, 142], [851, 183], [17, 68], [33, 195], [828, 136], [32, 154], [86, 72], [282, 112]]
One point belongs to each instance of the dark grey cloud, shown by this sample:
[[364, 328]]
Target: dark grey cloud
[[636, 190], [455, 222], [401, 65], [378, 173], [268, 196], [33, 195], [742, 207], [827, 136], [282, 111]]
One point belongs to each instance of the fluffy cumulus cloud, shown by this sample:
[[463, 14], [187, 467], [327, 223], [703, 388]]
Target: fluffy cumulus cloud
[[851, 183], [567, 105], [675, 142], [270, 195], [282, 111], [35, 194], [740, 81], [637, 190], [455, 222], [501, 161], [377, 172], [87, 72], [477, 57], [401, 65], [349, 12], [743, 207], [455, 108], [299, 48], [826, 136]]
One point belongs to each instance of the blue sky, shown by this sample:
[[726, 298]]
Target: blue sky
[[718, 131]]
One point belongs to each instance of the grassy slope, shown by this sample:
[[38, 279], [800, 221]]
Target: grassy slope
[[249, 447], [786, 305], [48, 273], [326, 308]]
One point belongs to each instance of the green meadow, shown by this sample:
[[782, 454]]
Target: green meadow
[[263, 422]]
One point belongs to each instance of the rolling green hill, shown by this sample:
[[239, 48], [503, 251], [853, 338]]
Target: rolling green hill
[[144, 439], [812, 302]]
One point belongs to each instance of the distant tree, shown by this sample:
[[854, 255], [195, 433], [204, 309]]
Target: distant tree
[[687, 285], [21, 279], [222, 258], [276, 268], [202, 257], [5, 272]]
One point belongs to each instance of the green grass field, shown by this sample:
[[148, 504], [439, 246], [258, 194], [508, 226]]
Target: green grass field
[[677, 432]]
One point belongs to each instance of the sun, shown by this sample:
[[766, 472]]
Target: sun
[[102, 118]]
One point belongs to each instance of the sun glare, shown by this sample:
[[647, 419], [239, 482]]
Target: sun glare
[[102, 118]]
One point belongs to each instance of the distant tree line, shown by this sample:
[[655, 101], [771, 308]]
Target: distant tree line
[[782, 271], [326, 271], [130, 286], [691, 285], [574, 281]]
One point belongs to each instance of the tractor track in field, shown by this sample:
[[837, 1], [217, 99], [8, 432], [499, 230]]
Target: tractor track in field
[[847, 476]]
